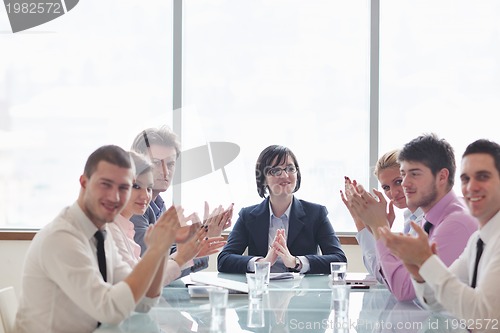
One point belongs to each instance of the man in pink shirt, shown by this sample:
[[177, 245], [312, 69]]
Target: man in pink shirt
[[428, 171]]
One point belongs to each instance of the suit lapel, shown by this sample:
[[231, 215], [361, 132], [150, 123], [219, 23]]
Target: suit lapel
[[260, 225], [295, 223]]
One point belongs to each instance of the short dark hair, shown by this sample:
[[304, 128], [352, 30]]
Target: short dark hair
[[484, 146], [434, 153], [111, 154], [162, 136], [264, 163]]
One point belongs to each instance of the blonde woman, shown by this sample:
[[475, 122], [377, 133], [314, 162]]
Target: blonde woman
[[389, 176]]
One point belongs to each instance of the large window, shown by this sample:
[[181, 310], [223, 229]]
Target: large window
[[96, 75], [293, 73], [254, 73]]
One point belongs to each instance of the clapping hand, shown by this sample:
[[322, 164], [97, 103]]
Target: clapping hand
[[372, 209], [350, 190], [186, 229], [199, 245], [413, 251], [218, 220], [164, 232]]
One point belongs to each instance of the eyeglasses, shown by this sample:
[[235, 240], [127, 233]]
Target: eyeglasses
[[277, 171]]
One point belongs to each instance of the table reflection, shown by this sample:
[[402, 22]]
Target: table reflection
[[308, 304]]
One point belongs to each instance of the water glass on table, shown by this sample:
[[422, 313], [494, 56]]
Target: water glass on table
[[340, 299], [255, 314], [338, 272], [263, 268], [218, 303], [255, 287]]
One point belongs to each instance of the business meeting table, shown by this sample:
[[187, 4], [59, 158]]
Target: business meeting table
[[306, 304]]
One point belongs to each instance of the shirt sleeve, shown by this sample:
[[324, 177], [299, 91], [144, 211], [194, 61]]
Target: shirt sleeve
[[397, 277], [67, 261], [231, 258], [367, 243], [147, 303], [425, 296], [171, 272], [251, 264], [451, 237], [459, 298]]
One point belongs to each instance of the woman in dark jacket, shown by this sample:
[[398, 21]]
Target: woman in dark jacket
[[292, 234]]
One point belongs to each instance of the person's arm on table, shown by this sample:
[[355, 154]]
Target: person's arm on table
[[231, 260]]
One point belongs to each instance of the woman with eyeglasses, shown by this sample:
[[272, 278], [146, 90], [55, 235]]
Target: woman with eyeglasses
[[293, 235]]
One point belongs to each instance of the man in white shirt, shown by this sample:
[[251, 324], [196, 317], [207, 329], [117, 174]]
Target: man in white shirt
[[469, 288], [64, 286]]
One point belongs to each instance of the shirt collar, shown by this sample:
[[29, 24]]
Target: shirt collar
[[419, 213], [286, 214], [123, 222], [491, 229], [436, 213], [83, 221]]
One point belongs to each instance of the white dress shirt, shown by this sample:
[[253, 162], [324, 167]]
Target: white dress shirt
[[62, 287], [449, 288]]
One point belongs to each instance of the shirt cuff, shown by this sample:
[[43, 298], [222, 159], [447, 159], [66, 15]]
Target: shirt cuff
[[251, 264], [124, 297], [171, 271], [433, 270], [306, 266], [365, 236], [147, 303], [186, 265]]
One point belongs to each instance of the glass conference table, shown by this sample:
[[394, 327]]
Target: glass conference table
[[308, 304]]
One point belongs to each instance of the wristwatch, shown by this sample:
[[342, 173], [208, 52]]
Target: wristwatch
[[297, 264]]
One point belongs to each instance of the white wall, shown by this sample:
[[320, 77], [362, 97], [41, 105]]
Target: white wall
[[11, 263], [12, 258]]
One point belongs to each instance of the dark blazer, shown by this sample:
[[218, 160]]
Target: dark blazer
[[309, 227]]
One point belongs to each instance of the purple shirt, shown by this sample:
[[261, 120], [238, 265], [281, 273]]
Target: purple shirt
[[452, 227]]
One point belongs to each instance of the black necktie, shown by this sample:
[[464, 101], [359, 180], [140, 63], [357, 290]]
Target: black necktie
[[100, 236], [427, 226], [479, 252]]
